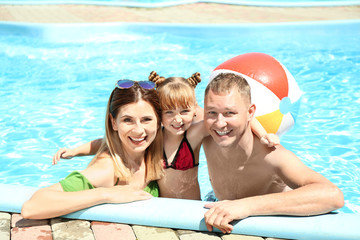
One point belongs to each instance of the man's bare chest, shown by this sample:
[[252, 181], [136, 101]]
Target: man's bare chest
[[234, 182]]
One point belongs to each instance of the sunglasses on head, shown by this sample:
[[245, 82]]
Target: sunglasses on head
[[126, 83]]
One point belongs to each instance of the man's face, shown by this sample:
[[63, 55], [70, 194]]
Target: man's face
[[226, 117]]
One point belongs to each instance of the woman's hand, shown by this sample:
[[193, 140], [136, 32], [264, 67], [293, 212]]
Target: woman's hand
[[123, 194]]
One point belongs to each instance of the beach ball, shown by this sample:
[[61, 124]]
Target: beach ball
[[274, 90]]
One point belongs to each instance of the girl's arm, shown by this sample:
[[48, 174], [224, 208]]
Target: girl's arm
[[89, 148], [268, 139], [197, 132], [199, 114]]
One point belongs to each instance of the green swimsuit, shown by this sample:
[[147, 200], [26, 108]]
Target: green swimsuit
[[75, 181]]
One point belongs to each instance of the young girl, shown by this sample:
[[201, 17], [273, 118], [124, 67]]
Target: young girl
[[129, 158], [183, 133]]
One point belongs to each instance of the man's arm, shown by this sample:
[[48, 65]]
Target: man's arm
[[313, 194]]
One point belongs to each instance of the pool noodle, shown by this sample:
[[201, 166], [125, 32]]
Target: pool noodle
[[189, 214]]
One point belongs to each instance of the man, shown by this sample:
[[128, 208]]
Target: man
[[252, 178]]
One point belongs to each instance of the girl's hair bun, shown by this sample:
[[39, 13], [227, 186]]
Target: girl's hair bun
[[194, 79], [154, 77]]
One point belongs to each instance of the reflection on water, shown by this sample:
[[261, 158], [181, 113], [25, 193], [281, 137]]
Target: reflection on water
[[54, 94]]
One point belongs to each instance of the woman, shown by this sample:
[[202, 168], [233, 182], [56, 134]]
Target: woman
[[128, 160]]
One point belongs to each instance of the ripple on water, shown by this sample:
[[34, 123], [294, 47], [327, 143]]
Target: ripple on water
[[55, 95]]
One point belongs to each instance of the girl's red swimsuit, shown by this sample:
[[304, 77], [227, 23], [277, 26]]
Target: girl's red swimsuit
[[184, 158]]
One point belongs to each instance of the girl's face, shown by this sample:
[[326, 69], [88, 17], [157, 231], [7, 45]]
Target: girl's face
[[178, 120], [136, 125]]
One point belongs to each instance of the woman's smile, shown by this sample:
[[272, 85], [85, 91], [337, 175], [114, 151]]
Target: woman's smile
[[136, 125]]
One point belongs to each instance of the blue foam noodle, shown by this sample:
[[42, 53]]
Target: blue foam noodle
[[189, 214]]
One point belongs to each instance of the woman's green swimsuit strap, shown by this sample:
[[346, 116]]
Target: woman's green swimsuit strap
[[153, 188], [75, 181]]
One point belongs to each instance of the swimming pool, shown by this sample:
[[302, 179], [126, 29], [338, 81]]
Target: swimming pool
[[56, 79], [169, 3]]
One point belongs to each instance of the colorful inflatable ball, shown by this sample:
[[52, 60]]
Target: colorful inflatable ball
[[274, 90]]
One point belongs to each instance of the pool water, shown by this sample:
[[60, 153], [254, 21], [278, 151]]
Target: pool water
[[54, 88]]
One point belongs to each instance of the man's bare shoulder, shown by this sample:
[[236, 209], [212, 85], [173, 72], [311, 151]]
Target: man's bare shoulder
[[208, 140], [209, 144], [277, 152]]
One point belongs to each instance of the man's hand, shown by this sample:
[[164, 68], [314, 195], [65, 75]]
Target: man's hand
[[222, 213]]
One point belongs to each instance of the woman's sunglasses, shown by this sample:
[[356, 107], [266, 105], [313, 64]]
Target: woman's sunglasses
[[126, 83]]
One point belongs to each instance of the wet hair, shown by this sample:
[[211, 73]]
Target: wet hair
[[225, 82], [111, 142], [176, 91]]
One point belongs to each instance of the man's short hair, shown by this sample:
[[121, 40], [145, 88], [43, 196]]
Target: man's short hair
[[225, 82]]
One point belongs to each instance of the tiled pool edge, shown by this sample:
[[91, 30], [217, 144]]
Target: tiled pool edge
[[183, 2], [13, 226]]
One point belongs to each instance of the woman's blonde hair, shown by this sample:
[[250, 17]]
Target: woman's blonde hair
[[176, 91], [111, 143]]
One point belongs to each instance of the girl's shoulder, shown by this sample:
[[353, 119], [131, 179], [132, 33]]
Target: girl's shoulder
[[196, 133], [197, 128]]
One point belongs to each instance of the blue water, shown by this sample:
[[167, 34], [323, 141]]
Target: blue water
[[55, 85]]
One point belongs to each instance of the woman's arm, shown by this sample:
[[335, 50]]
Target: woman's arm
[[52, 201]]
